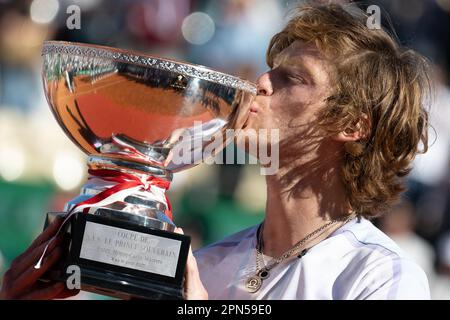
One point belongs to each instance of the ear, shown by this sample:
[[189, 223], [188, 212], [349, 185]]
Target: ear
[[360, 130]]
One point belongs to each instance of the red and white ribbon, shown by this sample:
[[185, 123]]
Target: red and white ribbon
[[123, 185]]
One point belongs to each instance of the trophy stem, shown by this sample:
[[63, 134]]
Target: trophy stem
[[127, 191], [105, 162]]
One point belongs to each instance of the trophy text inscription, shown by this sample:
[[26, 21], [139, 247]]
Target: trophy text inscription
[[130, 249]]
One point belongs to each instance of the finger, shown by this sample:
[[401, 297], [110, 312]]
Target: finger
[[191, 264], [48, 233], [193, 286], [29, 261], [45, 236], [29, 277], [192, 272], [67, 293], [49, 292], [194, 289]]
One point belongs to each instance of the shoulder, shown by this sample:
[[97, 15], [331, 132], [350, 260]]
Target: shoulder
[[218, 251], [226, 244], [384, 271]]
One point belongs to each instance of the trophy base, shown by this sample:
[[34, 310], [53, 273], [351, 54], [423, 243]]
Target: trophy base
[[121, 259]]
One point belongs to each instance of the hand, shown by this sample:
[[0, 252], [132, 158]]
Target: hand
[[193, 286], [21, 280]]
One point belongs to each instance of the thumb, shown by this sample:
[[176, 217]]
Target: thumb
[[193, 286], [179, 230]]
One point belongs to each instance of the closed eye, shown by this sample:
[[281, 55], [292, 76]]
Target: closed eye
[[298, 78]]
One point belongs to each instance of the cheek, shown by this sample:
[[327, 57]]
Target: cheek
[[291, 103], [295, 112]]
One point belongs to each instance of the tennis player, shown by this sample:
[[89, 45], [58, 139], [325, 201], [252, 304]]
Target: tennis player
[[350, 105]]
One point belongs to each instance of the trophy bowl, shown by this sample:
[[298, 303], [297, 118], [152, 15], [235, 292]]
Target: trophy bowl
[[139, 118]]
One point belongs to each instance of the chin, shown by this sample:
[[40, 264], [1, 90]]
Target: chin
[[247, 137], [253, 122]]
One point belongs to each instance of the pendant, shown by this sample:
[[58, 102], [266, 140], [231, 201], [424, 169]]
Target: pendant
[[254, 283]]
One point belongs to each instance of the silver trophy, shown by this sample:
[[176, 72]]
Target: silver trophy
[[139, 119]]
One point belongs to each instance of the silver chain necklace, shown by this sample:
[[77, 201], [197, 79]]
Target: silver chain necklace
[[254, 283]]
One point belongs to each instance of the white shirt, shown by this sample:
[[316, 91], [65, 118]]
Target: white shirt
[[357, 261]]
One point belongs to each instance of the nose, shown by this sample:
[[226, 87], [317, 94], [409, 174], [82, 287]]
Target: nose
[[264, 85]]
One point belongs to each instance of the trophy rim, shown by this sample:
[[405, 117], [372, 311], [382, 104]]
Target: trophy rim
[[147, 60]]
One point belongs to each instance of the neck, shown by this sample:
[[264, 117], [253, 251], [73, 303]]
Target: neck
[[301, 206]]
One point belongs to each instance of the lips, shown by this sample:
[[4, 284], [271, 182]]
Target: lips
[[252, 111], [254, 108]]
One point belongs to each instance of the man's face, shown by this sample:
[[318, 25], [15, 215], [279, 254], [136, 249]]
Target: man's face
[[291, 93]]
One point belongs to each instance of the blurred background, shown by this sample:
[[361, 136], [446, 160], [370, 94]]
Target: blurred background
[[41, 169]]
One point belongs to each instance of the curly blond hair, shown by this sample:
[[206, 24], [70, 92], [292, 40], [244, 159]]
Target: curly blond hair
[[374, 78]]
